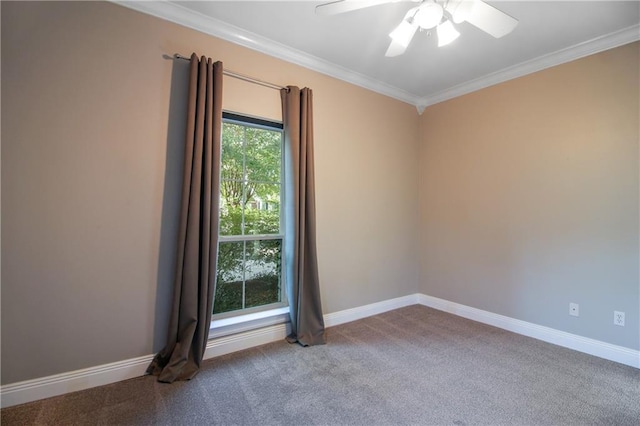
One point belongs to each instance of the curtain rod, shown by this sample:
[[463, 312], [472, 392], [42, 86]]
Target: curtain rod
[[240, 76]]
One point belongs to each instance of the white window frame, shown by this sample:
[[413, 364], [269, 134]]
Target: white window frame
[[274, 313]]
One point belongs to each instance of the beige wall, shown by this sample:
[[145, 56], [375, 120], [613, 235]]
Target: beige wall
[[529, 197], [526, 197], [92, 129]]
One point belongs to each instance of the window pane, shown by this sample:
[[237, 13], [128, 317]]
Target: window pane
[[263, 155], [232, 152], [263, 272], [230, 208], [262, 211], [249, 272], [231, 185], [229, 284]]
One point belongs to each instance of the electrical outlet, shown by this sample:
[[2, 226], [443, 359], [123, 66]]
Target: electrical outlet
[[574, 309], [618, 318]]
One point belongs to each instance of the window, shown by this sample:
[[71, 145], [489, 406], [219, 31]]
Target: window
[[249, 276]]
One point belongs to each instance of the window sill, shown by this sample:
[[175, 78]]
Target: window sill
[[241, 323]]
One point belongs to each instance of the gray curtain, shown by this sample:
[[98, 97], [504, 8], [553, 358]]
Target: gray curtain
[[194, 285], [301, 276]]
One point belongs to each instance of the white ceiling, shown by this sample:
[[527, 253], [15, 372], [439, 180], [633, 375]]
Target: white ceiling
[[351, 46]]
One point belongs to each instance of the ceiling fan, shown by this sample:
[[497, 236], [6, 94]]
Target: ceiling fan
[[429, 14]]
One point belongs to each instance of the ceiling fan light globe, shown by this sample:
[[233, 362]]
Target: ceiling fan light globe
[[446, 33], [429, 15]]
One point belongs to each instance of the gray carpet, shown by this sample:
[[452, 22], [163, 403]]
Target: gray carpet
[[413, 365]]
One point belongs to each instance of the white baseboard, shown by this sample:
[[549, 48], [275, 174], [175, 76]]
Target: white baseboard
[[58, 384], [360, 312], [594, 347], [45, 387], [248, 339]]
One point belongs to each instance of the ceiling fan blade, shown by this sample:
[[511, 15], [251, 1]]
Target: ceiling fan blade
[[395, 49], [343, 6], [491, 20], [459, 9]]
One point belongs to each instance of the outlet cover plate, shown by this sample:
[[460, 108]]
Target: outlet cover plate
[[574, 309], [618, 318]]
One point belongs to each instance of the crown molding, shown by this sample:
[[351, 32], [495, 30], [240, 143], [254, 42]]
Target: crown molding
[[173, 12], [580, 50], [178, 14]]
